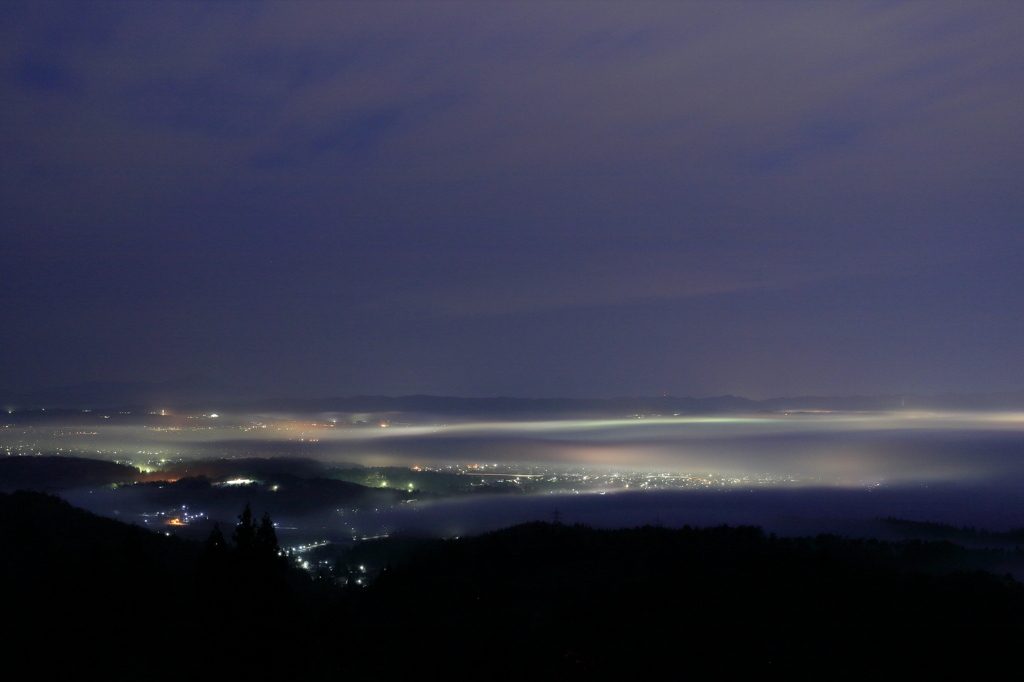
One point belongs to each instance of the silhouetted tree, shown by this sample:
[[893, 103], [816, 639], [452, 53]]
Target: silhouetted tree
[[211, 577], [216, 545], [245, 532], [266, 537], [257, 574]]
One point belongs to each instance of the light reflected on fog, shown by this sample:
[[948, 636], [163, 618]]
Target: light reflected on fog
[[846, 449]]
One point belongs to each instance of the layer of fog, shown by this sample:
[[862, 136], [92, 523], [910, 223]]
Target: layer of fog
[[851, 450], [847, 470]]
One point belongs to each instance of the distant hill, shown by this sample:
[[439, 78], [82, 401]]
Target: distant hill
[[245, 467], [503, 407], [177, 393], [52, 473], [199, 394], [285, 496], [283, 485], [966, 535]]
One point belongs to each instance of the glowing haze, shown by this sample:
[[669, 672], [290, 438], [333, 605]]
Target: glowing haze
[[790, 474], [820, 450]]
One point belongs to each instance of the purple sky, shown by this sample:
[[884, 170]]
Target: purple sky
[[518, 198]]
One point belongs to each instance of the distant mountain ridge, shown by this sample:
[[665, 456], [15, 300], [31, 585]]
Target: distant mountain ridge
[[641, 406], [198, 393], [109, 394]]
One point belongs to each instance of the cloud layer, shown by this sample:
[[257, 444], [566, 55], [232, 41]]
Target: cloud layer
[[490, 197]]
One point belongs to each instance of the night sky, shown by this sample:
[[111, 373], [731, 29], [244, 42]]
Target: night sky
[[577, 199]]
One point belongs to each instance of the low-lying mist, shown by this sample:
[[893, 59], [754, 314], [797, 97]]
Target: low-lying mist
[[788, 473], [825, 449]]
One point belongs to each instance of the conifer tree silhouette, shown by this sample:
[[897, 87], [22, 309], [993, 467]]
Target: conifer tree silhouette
[[245, 532], [266, 537]]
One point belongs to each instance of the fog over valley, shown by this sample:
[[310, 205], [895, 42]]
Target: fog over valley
[[342, 476]]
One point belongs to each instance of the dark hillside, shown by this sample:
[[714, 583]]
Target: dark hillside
[[535, 600], [85, 593], [576, 601], [50, 473], [87, 585]]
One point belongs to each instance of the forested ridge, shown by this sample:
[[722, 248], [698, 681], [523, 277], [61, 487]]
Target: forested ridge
[[539, 599]]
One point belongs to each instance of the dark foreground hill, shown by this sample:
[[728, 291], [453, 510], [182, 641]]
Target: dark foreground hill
[[93, 596], [654, 603]]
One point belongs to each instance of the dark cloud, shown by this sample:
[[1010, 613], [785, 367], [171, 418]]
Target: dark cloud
[[406, 189], [43, 73]]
